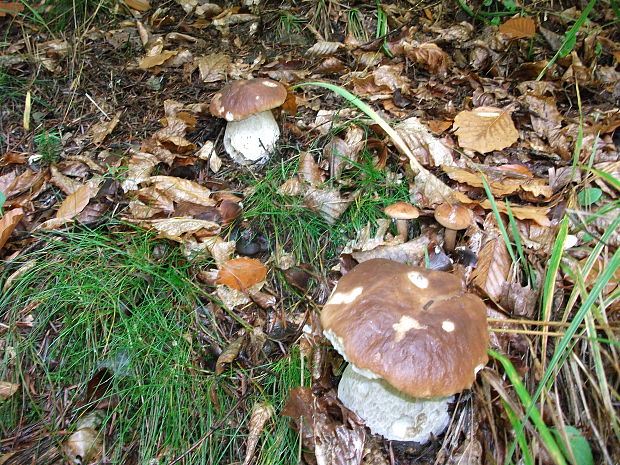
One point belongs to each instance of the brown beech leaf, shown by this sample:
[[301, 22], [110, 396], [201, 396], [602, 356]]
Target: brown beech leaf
[[8, 222], [241, 273], [11, 8], [7, 389], [213, 67], [100, 130], [493, 266], [485, 129], [228, 355], [173, 228], [76, 202], [261, 414], [536, 214], [183, 190], [156, 60], [428, 55], [140, 5], [519, 28]]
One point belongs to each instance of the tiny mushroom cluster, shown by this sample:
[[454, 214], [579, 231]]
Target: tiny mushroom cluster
[[252, 131], [413, 338]]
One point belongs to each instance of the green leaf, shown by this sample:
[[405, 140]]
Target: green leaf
[[589, 196], [2, 199], [510, 5], [578, 444]]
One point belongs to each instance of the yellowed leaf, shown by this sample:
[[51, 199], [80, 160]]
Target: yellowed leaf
[[140, 5], [183, 190], [536, 190], [519, 28], [100, 130], [76, 202], [173, 228], [261, 413], [536, 214], [241, 273], [485, 129], [499, 188], [493, 268], [156, 60], [8, 222], [7, 389]]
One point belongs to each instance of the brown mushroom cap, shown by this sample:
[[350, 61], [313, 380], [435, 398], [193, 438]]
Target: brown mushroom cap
[[402, 211], [453, 216], [416, 328], [239, 99]]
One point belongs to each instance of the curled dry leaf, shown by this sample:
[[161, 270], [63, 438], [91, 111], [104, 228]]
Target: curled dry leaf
[[427, 148], [228, 355], [84, 446], [485, 129], [183, 190], [536, 214], [324, 48], [241, 273], [331, 440], [493, 267], [8, 222], [261, 413], [7, 389], [519, 28], [100, 130], [429, 56]]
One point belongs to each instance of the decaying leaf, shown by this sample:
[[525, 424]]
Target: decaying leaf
[[213, 67], [8, 222], [174, 228], [261, 413], [84, 446], [183, 190], [228, 355], [330, 440], [519, 28], [241, 273], [427, 148], [485, 129], [100, 130], [7, 389], [76, 202], [151, 61], [493, 267], [324, 48], [536, 214], [429, 55], [10, 8]]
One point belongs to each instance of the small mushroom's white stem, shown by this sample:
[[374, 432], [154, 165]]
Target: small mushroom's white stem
[[402, 229], [449, 239], [391, 413]]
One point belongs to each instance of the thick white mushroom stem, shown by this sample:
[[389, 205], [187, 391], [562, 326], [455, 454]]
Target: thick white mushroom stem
[[391, 413], [251, 140]]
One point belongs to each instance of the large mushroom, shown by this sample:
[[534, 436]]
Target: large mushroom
[[252, 131], [413, 338]]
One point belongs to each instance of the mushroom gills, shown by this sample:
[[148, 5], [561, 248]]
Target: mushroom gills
[[391, 413], [251, 140]]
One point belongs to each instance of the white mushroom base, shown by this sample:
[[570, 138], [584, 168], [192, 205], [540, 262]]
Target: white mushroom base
[[251, 140], [389, 412]]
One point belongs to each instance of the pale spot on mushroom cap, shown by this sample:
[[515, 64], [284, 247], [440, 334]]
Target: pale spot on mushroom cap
[[345, 297], [447, 326], [405, 324], [257, 97], [270, 84], [417, 279], [229, 116]]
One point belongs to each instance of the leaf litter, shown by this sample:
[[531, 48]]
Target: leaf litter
[[471, 108]]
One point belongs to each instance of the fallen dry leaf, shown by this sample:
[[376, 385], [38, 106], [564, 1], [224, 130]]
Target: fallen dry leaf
[[485, 129], [76, 202], [228, 355], [173, 228], [213, 67], [429, 56], [182, 190], [536, 214], [324, 48], [156, 60], [99, 131], [7, 389], [493, 267], [428, 149], [519, 28], [241, 273], [140, 5], [8, 222], [331, 439], [10, 8], [261, 413]]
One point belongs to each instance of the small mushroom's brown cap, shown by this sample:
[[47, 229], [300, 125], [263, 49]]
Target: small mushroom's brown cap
[[402, 211], [453, 216], [416, 328], [239, 99]]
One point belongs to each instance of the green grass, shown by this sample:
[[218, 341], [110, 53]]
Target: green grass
[[294, 228], [59, 15], [48, 145], [121, 301]]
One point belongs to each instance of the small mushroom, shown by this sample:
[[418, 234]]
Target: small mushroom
[[252, 131], [402, 212], [453, 218], [413, 337]]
